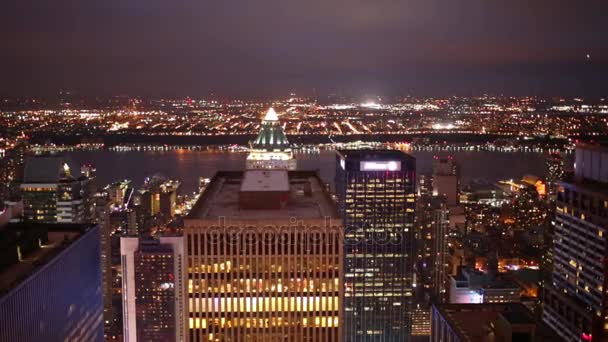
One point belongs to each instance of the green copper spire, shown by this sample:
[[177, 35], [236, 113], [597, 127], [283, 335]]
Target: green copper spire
[[271, 136]]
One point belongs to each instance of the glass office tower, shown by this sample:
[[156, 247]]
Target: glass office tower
[[50, 283], [376, 200]]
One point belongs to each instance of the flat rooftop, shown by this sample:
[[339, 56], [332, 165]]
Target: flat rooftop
[[58, 237], [375, 154], [265, 180], [221, 197], [472, 322], [585, 185]]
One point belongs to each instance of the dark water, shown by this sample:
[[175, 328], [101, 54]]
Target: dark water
[[188, 166]]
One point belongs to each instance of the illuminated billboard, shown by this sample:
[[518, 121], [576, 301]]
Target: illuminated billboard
[[380, 165]]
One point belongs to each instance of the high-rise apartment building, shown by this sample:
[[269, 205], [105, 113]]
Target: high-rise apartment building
[[50, 283], [376, 199], [575, 303], [264, 259], [153, 289]]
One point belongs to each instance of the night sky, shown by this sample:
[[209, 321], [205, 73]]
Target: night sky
[[271, 47]]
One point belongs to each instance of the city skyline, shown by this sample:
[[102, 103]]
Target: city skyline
[[319, 171], [276, 247]]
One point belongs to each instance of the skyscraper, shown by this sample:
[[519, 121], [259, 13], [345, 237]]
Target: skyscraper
[[11, 170], [446, 179], [555, 171], [153, 289], [271, 150], [102, 218], [264, 256], [168, 198], [575, 303], [51, 194], [376, 200], [439, 277], [50, 283]]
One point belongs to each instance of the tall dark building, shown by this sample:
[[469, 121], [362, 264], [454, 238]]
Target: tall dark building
[[11, 169], [50, 283], [446, 177], [555, 171], [432, 228], [441, 223], [102, 218], [376, 200], [153, 291], [576, 301]]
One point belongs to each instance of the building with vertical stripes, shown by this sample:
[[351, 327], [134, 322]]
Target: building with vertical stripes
[[153, 289], [50, 283], [376, 199], [264, 258]]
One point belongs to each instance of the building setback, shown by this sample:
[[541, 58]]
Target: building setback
[[264, 258]]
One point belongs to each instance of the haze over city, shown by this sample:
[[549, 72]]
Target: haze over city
[[270, 48]]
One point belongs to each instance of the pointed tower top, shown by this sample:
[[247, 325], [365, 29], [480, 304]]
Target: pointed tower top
[[271, 115]]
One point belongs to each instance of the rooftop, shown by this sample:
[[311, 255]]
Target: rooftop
[[36, 244], [473, 322], [307, 196], [265, 180], [43, 170], [375, 154], [585, 184]]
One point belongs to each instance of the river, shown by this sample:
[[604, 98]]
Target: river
[[188, 166]]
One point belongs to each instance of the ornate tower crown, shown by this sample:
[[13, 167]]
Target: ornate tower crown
[[271, 136]]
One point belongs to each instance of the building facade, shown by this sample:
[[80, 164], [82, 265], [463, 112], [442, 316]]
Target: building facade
[[446, 177], [51, 194], [575, 301], [102, 218], [264, 258], [376, 199], [470, 286], [153, 289], [440, 253], [51, 290]]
